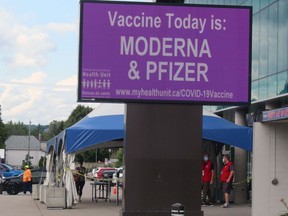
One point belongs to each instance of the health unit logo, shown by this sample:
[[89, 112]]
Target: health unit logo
[[96, 82]]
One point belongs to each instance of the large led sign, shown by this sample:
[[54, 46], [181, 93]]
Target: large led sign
[[131, 52]]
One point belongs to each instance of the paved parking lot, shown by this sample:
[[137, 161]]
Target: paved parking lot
[[15, 205]]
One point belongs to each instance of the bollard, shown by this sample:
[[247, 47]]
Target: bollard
[[177, 209], [1, 187]]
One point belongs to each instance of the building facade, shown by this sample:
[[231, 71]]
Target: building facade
[[17, 148], [268, 111]]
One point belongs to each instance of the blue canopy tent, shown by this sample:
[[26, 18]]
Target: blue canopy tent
[[56, 143], [106, 123]]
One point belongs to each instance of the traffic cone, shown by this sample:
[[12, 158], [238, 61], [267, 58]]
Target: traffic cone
[[114, 190]]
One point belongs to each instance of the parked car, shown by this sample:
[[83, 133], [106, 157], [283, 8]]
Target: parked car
[[99, 173], [89, 174], [108, 174], [14, 184], [118, 176], [8, 171]]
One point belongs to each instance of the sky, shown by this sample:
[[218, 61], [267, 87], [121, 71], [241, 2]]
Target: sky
[[39, 60]]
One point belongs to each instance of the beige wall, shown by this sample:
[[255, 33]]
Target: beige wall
[[270, 161], [15, 157]]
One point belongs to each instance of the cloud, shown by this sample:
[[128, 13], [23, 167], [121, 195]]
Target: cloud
[[18, 102], [40, 105], [72, 81], [37, 77], [63, 27], [27, 47], [69, 84], [23, 46], [31, 99]]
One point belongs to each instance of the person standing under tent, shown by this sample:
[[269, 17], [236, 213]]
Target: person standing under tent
[[226, 177], [207, 180], [79, 178]]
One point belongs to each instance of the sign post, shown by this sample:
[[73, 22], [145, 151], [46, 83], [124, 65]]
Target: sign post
[[163, 145]]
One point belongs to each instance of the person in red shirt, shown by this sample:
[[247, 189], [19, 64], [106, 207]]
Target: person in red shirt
[[226, 177], [207, 179]]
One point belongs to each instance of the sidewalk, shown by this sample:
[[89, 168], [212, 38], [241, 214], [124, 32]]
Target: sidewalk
[[235, 210], [24, 205]]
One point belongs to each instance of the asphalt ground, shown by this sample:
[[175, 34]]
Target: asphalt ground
[[18, 205]]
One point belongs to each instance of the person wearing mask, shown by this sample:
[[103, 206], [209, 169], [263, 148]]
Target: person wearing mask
[[80, 179], [226, 177], [207, 180], [27, 180]]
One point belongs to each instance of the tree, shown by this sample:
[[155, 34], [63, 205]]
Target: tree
[[3, 132], [26, 161], [90, 155], [37, 130], [42, 162], [102, 154], [119, 163], [55, 127], [77, 114], [16, 128]]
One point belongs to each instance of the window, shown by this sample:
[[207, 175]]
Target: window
[[272, 38], [263, 3], [263, 88], [272, 86], [255, 48], [263, 43], [282, 83], [255, 92], [256, 6], [282, 35]]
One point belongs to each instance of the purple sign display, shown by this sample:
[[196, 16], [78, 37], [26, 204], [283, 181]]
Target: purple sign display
[[277, 114], [131, 52]]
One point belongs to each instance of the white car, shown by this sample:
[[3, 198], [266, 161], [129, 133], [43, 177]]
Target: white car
[[118, 175], [91, 173]]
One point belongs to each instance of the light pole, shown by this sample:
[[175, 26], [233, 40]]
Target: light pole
[[110, 150], [29, 143]]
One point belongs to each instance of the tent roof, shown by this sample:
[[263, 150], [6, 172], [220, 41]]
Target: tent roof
[[106, 123], [55, 142]]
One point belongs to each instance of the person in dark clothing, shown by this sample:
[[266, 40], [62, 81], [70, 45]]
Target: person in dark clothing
[[79, 178]]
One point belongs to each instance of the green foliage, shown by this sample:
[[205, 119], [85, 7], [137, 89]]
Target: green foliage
[[102, 154], [37, 130], [48, 132], [42, 162], [79, 158], [90, 155], [16, 128], [25, 162], [55, 127], [120, 153], [77, 114], [3, 132]]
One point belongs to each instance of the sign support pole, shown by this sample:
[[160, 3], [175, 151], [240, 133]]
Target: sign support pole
[[163, 148]]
